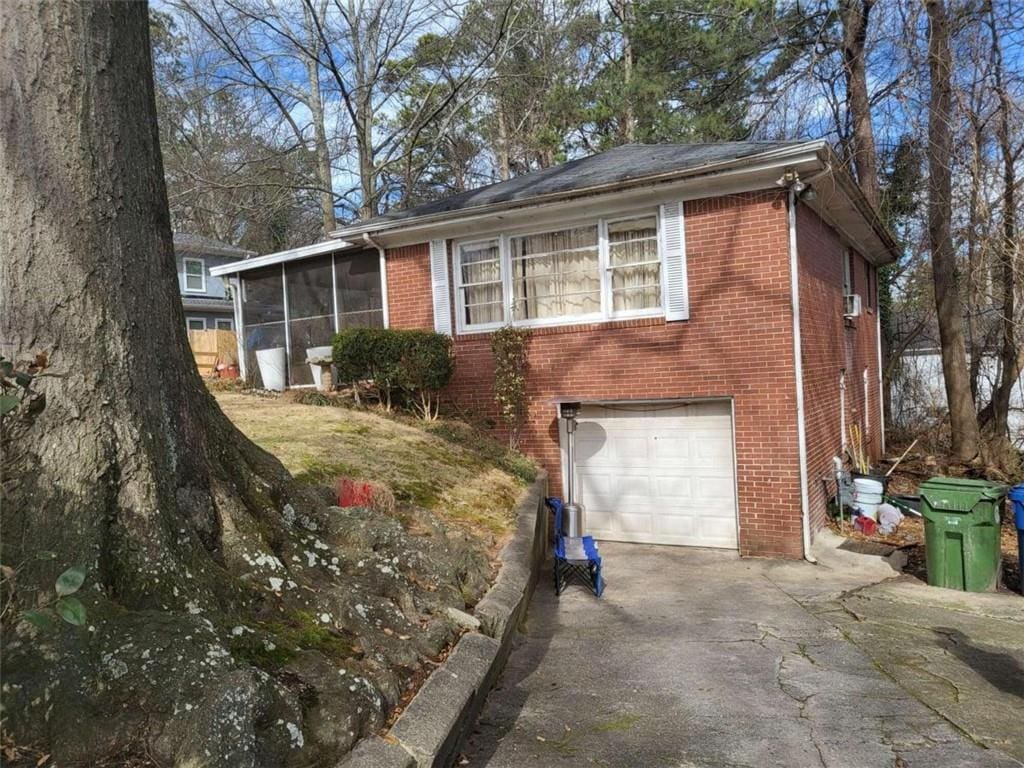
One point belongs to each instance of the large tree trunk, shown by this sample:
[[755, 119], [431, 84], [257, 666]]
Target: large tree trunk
[[190, 533], [316, 108], [962, 414], [1010, 353], [855, 15], [623, 11]]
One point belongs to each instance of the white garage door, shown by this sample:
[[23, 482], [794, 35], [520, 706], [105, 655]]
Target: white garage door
[[658, 474]]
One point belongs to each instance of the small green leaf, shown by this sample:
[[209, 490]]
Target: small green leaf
[[6, 367], [38, 619], [23, 380], [8, 403], [45, 554], [71, 610], [70, 581]]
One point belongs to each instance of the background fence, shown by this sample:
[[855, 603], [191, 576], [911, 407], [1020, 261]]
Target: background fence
[[210, 348]]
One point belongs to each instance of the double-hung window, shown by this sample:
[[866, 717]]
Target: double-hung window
[[634, 264], [195, 275], [597, 270], [481, 295]]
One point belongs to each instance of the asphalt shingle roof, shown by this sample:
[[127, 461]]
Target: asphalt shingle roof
[[189, 243], [630, 161]]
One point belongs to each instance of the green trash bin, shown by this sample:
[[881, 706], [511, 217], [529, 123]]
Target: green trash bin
[[961, 532]]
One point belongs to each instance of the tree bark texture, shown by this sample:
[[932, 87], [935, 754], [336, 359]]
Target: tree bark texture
[[945, 274], [221, 596], [316, 108], [855, 16], [1011, 354]]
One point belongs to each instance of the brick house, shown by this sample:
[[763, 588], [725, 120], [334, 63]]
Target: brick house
[[660, 284]]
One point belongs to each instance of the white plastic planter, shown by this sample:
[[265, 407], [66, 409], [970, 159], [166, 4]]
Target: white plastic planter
[[273, 368], [318, 353]]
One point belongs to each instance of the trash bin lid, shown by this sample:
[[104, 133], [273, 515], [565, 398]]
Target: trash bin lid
[[959, 494], [1017, 493]]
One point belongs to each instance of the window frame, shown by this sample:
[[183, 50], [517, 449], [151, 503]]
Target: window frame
[[195, 320], [606, 312], [461, 326], [219, 320], [184, 274], [609, 268]]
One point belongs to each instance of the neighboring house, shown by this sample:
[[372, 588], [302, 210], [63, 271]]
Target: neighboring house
[[660, 283], [918, 389], [205, 298]]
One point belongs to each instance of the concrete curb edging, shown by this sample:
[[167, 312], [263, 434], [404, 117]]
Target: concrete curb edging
[[429, 733]]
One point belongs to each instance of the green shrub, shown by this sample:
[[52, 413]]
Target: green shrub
[[425, 368], [416, 363]]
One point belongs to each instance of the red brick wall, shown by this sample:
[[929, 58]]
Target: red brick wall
[[830, 345], [737, 343], [410, 297]]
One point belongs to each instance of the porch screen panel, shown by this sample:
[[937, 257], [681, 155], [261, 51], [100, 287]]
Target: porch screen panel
[[263, 321], [556, 274], [310, 313], [360, 297]]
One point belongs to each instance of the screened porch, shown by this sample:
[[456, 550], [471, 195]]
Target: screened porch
[[297, 305]]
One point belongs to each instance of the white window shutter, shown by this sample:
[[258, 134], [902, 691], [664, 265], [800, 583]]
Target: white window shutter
[[439, 284], [673, 243]]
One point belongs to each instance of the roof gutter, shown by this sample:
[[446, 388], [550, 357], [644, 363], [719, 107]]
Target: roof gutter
[[807, 150]]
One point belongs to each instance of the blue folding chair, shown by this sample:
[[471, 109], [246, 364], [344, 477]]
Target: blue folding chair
[[586, 570]]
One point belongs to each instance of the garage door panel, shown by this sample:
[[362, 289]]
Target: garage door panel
[[676, 525], [635, 523], [714, 489], [674, 487], [658, 474]]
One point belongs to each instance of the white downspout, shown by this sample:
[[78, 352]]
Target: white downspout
[[801, 427], [383, 276], [881, 379], [236, 306]]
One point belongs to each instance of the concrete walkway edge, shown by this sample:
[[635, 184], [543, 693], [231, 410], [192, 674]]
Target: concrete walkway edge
[[429, 733]]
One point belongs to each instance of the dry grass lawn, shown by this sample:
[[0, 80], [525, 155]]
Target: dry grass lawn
[[463, 477]]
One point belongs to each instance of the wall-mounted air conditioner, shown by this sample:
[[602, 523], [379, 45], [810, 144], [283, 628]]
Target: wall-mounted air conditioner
[[851, 305]]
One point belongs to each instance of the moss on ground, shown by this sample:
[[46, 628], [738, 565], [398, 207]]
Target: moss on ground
[[456, 472]]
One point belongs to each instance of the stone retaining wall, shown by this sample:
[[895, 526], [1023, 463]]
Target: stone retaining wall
[[430, 732]]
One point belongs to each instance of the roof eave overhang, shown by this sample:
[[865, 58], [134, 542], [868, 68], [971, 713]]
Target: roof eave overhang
[[751, 165], [293, 254], [839, 199], [840, 202]]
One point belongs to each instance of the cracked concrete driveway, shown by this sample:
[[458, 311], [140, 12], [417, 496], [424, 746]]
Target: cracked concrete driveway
[[698, 658]]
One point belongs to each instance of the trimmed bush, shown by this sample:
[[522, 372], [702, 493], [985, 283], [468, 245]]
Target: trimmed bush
[[425, 368], [416, 363]]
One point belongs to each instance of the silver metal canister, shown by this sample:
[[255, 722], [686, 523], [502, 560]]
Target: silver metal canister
[[573, 523]]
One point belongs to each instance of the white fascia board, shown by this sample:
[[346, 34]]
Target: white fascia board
[[804, 158], [294, 254]]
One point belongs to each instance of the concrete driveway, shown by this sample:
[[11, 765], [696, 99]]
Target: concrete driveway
[[698, 658]]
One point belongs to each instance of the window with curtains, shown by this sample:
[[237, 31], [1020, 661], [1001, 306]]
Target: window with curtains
[[634, 264], [480, 289], [556, 274], [601, 270]]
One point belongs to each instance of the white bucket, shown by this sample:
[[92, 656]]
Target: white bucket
[[867, 495], [317, 353], [868, 510], [273, 368]]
